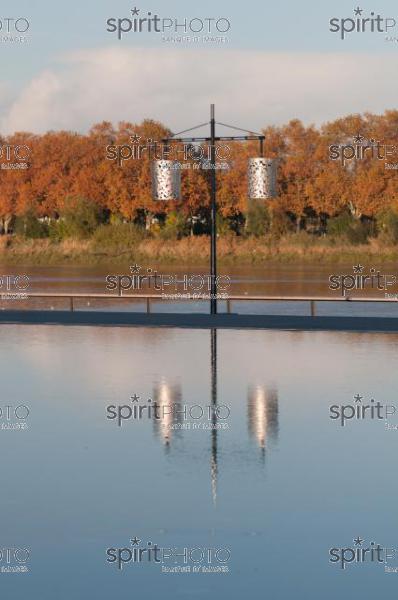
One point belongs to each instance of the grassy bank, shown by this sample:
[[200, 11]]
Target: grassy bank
[[194, 251]]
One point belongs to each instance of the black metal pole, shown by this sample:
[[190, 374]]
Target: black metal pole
[[213, 193]]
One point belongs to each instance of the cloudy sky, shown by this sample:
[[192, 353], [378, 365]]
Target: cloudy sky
[[280, 62]]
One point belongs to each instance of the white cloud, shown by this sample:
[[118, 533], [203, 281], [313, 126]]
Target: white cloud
[[176, 86]]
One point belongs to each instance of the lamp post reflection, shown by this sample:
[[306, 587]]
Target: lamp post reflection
[[214, 464], [168, 405], [173, 414]]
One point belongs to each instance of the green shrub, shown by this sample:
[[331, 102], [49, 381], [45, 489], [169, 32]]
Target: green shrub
[[118, 236], [175, 227], [280, 224], [345, 226], [56, 230], [223, 226], [257, 219], [358, 233], [29, 226], [340, 225], [387, 226], [79, 218]]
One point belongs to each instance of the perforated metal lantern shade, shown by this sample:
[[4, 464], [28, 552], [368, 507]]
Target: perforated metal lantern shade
[[261, 178], [166, 180]]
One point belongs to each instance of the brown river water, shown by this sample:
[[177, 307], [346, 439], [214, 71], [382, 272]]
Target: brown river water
[[302, 280]]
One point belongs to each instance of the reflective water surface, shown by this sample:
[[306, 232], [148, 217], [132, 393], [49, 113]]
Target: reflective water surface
[[262, 476]]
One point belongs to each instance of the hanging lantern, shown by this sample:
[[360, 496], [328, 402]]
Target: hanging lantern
[[166, 180], [261, 178]]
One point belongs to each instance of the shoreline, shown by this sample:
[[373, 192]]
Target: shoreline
[[194, 252]]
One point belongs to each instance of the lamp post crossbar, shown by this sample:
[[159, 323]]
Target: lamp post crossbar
[[223, 138]]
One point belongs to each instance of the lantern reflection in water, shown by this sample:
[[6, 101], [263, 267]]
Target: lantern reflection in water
[[262, 413], [167, 399]]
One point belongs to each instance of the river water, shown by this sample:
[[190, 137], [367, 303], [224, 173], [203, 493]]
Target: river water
[[213, 453], [268, 481], [270, 280]]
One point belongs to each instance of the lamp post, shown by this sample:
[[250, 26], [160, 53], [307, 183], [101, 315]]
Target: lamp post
[[213, 213], [261, 184]]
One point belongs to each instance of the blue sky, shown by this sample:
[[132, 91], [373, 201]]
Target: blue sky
[[276, 41]]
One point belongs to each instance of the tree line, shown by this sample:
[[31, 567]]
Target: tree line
[[70, 187]]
